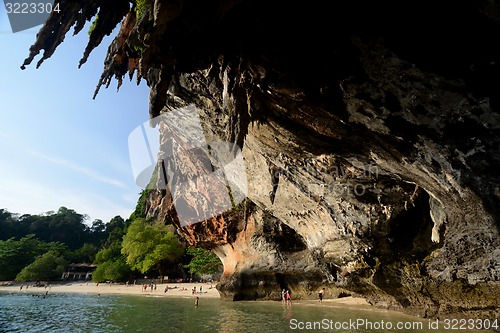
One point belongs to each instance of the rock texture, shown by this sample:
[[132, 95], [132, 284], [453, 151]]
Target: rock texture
[[370, 134]]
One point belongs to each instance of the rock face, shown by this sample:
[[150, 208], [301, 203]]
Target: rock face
[[370, 135]]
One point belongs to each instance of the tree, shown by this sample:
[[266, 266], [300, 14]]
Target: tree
[[16, 254], [107, 253], [114, 223], [111, 264], [112, 270], [86, 253], [140, 207], [66, 226], [148, 247], [98, 232], [49, 266], [203, 262], [9, 225]]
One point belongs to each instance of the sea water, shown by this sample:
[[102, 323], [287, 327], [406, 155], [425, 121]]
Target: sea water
[[23, 312]]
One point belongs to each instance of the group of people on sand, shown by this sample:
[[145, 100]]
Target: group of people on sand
[[47, 286], [167, 288], [287, 299], [146, 286], [200, 291]]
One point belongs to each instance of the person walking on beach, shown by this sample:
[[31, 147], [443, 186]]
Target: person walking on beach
[[321, 294], [288, 298], [196, 301]]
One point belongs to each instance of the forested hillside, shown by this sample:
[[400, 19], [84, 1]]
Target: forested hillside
[[39, 247]]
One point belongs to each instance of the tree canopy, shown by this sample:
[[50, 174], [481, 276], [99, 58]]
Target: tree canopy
[[48, 266], [24, 238], [203, 262], [150, 246], [16, 254], [37, 247]]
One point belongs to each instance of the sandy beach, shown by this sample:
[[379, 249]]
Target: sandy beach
[[174, 289]]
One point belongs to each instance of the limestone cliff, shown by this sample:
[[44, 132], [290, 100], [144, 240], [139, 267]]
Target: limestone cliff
[[370, 134]]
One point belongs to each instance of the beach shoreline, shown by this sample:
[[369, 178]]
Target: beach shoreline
[[177, 290], [174, 289], [181, 290]]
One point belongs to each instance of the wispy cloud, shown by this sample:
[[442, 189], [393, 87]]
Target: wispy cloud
[[28, 197], [80, 169]]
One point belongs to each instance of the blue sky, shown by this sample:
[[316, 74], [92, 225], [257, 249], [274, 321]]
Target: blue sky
[[58, 147]]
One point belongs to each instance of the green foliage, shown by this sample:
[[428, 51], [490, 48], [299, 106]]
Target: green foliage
[[115, 236], [138, 48], [115, 223], [9, 224], [85, 254], [111, 265], [49, 266], [148, 247], [140, 208], [24, 238], [141, 6], [203, 262], [93, 25], [16, 254], [65, 226], [112, 270], [110, 252], [113, 245]]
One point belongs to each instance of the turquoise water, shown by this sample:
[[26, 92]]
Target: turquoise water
[[91, 313]]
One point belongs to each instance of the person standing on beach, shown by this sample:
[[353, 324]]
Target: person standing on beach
[[288, 298], [321, 294], [283, 296], [196, 301]]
